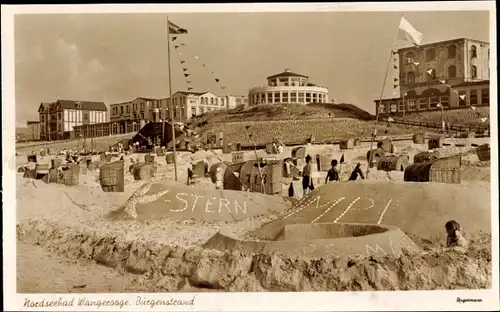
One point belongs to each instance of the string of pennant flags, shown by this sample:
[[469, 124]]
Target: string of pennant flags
[[185, 70]]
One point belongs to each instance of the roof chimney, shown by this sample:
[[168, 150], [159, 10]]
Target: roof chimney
[[287, 70]]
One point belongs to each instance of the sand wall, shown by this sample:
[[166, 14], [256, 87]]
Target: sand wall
[[174, 267]]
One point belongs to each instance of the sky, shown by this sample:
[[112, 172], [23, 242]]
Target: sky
[[117, 57]]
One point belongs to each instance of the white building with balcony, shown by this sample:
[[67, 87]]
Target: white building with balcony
[[288, 88]]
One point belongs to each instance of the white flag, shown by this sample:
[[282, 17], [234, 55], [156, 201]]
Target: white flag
[[473, 108], [409, 33], [442, 81], [196, 57], [430, 71], [416, 63], [390, 119], [484, 119], [462, 96]]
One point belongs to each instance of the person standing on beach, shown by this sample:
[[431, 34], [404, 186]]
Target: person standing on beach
[[333, 173], [357, 171], [307, 182]]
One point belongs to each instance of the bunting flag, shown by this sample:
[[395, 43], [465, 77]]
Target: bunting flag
[[395, 79], [395, 67], [442, 81], [395, 86], [390, 119], [473, 108], [203, 64], [187, 75], [184, 69], [462, 96], [394, 52], [182, 44], [190, 88], [174, 38], [438, 105], [342, 159], [430, 71], [484, 119], [182, 62], [189, 82], [416, 63], [216, 80], [176, 46], [478, 115]]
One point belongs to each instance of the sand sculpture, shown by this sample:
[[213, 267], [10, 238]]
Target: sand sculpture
[[397, 203], [315, 240], [177, 201]]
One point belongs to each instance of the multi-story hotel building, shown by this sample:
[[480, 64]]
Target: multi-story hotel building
[[126, 116], [58, 118], [427, 72], [288, 88]]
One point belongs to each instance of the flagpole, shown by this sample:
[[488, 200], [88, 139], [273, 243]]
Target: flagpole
[[381, 95], [170, 100]]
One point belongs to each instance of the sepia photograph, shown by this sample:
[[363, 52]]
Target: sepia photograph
[[153, 156]]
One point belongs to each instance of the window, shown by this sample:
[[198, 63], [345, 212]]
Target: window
[[58, 115], [269, 97], [400, 106], [431, 74], [382, 108], [433, 102], [474, 72], [202, 110], [394, 107], [473, 97], [293, 97], [430, 55], [301, 97], [410, 57], [473, 51], [423, 104], [86, 116], [452, 72], [277, 97], [452, 52], [444, 100], [410, 77], [462, 98], [211, 101], [128, 109], [121, 109], [485, 97], [285, 97], [308, 97], [43, 118]]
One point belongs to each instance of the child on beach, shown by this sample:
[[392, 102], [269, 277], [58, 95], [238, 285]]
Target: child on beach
[[455, 236]]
